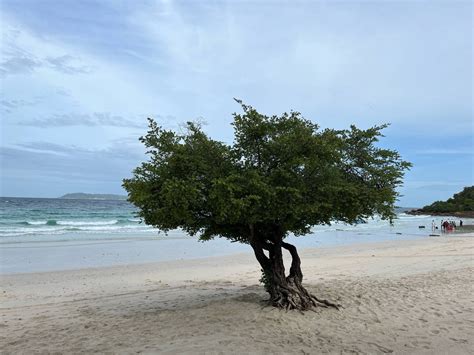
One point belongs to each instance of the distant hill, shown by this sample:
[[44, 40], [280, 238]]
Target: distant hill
[[461, 204], [84, 196], [399, 209]]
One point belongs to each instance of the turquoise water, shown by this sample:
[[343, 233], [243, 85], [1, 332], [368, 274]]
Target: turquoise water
[[42, 219], [23, 219], [54, 234]]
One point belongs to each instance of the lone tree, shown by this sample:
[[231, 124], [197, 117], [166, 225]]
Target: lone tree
[[281, 175]]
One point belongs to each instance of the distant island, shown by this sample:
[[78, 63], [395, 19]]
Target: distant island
[[460, 205], [84, 196]]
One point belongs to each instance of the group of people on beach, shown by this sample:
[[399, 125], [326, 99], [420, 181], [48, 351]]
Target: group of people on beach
[[447, 226]]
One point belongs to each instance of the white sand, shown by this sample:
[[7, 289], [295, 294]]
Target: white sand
[[400, 297]]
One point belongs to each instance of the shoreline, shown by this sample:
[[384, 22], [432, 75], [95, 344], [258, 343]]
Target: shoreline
[[460, 214], [399, 296], [52, 256], [77, 253], [324, 249]]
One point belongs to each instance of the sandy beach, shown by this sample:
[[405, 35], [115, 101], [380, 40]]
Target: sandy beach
[[399, 297]]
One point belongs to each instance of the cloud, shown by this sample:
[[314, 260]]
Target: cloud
[[112, 163], [83, 119], [19, 65], [67, 65], [408, 63], [23, 64], [9, 106], [21, 54], [340, 62], [88, 79], [62, 92], [97, 119], [48, 148], [123, 148]]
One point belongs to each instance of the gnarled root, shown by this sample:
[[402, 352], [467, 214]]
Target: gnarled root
[[285, 292], [294, 296]]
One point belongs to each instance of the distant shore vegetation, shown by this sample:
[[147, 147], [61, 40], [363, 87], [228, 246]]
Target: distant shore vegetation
[[461, 204]]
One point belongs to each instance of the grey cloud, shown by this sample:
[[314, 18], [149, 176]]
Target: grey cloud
[[47, 148], [124, 148], [76, 163], [67, 65], [97, 119], [41, 145], [83, 119], [9, 106], [27, 63], [18, 60], [63, 92], [19, 65]]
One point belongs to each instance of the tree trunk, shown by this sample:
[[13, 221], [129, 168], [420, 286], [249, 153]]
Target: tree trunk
[[285, 291]]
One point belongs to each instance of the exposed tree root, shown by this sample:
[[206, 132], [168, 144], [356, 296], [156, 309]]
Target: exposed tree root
[[296, 297], [292, 302], [326, 303], [286, 292]]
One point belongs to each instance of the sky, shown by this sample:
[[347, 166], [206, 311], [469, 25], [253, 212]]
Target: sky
[[79, 78]]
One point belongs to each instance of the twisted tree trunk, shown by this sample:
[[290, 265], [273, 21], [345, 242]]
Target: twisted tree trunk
[[285, 291]]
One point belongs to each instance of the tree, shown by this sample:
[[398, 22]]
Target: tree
[[461, 202], [281, 175]]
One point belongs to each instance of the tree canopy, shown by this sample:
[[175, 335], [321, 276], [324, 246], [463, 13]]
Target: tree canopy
[[460, 202], [282, 174]]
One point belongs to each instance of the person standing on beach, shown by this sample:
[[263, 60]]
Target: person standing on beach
[[433, 225], [442, 225], [460, 223]]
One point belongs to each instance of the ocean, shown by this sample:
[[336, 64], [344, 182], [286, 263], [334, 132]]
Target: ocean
[[41, 234], [41, 219]]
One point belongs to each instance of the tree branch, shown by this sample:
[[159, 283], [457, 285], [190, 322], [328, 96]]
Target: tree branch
[[258, 249], [295, 269]]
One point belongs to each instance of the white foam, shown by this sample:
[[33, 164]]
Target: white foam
[[86, 223]]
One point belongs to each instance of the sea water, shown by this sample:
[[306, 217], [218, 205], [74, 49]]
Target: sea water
[[41, 219], [55, 234]]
